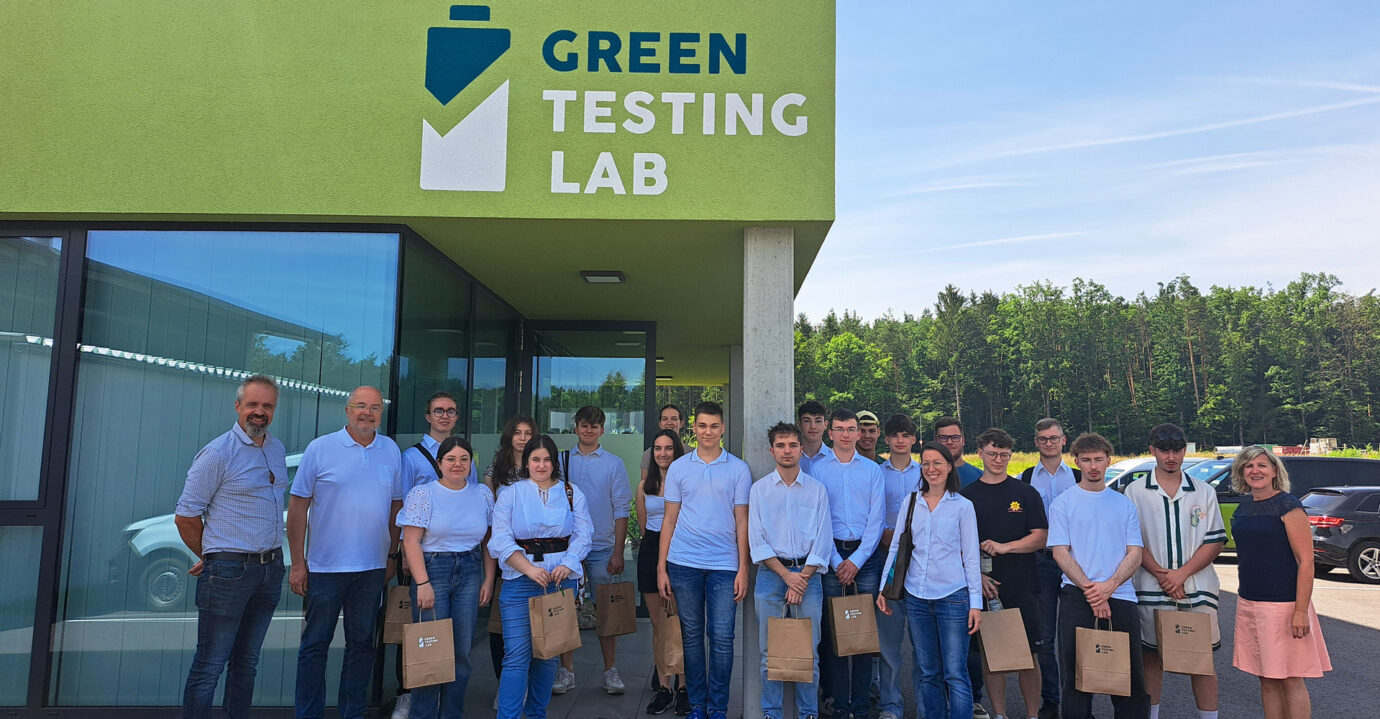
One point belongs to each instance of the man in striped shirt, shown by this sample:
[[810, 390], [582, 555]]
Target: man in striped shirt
[[1183, 532]]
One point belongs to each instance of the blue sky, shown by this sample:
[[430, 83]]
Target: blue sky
[[994, 144]]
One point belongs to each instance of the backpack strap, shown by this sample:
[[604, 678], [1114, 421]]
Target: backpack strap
[[418, 446], [1028, 473], [1077, 475]]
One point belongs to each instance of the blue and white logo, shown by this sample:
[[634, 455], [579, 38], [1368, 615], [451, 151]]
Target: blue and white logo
[[473, 155]]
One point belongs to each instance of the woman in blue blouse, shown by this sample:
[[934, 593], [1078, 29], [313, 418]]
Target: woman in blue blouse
[[445, 525], [943, 584], [541, 533], [1277, 634]]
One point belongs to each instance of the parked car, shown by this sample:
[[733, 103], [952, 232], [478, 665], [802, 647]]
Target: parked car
[[1305, 474], [157, 575], [1346, 530], [1141, 471], [1120, 468]]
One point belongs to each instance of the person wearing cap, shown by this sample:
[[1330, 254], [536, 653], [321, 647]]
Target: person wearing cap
[[869, 431], [1183, 533]]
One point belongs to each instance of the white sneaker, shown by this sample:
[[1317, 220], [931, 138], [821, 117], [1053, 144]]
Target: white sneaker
[[980, 711], [402, 706], [613, 684], [565, 681], [887, 714]]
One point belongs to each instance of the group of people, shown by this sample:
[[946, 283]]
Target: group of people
[[828, 520]]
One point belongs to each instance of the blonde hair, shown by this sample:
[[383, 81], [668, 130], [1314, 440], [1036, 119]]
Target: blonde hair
[[1238, 480]]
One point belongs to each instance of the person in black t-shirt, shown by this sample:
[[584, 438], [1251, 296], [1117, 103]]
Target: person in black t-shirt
[[1011, 526]]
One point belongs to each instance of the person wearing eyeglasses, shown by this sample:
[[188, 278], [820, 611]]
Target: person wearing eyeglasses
[[1051, 477], [857, 503], [230, 515], [1011, 526], [347, 492], [421, 464], [948, 431]]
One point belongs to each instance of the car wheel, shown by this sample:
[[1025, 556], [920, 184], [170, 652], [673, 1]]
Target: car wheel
[[164, 584], [1364, 562]]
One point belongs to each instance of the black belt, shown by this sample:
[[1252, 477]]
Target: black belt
[[539, 547], [1047, 553], [847, 545], [268, 557], [792, 563]]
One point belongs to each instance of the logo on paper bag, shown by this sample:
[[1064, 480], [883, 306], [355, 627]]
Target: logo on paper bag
[[473, 155], [555, 611], [850, 614], [1103, 649], [424, 642], [1181, 629]]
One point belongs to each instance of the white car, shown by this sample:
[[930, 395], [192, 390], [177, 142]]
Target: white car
[[157, 575]]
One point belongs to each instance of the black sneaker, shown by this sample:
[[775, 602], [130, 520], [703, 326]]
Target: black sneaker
[[1049, 710], [682, 702], [661, 702]]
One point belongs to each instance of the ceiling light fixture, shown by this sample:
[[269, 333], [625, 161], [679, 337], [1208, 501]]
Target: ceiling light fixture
[[663, 376], [603, 277]]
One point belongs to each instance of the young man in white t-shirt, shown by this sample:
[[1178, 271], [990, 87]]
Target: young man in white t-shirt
[[1095, 535]]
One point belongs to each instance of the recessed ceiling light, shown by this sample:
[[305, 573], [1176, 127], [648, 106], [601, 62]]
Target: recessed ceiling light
[[663, 376], [603, 277], [660, 359], [627, 344]]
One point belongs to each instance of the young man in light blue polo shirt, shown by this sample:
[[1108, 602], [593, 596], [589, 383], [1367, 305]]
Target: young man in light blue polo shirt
[[600, 474], [704, 557], [347, 491]]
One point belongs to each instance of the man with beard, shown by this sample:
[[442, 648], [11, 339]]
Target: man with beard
[[231, 515]]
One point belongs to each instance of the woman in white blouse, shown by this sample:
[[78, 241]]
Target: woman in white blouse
[[541, 534], [445, 527], [943, 601]]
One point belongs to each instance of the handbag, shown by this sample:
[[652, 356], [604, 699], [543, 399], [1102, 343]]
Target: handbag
[[895, 589]]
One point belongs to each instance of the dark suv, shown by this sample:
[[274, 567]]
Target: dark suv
[[1305, 474], [1346, 530]]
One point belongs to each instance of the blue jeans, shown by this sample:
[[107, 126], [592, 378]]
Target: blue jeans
[[891, 631], [939, 633], [852, 676], [524, 688], [769, 599], [704, 600], [455, 577], [235, 603], [359, 594], [1047, 578]]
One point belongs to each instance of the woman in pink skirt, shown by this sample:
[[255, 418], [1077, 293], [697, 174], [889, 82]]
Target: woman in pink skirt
[[1277, 634]]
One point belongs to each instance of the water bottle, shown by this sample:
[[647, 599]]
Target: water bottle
[[994, 604], [986, 563]]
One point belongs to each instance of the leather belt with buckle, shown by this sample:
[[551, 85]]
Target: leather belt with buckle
[[268, 557]]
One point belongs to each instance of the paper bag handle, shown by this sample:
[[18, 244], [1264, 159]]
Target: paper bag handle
[[1097, 623]]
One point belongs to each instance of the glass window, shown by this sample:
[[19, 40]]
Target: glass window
[[434, 339], [28, 303], [172, 321], [495, 328], [19, 567]]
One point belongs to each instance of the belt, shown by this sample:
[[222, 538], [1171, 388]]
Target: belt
[[1046, 553], [268, 557], [539, 547], [847, 545], [793, 562]]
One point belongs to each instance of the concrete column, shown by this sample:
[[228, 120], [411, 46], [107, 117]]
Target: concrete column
[[734, 394], [767, 389]]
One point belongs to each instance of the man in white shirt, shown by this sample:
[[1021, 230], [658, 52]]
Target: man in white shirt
[[603, 479], [813, 420], [1096, 538], [347, 491], [790, 540]]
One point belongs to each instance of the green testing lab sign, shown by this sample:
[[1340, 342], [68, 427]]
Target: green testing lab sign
[[620, 109]]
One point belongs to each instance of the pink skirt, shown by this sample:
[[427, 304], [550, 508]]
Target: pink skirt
[[1265, 645]]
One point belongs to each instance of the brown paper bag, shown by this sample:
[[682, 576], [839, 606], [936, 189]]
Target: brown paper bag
[[495, 617], [790, 649], [853, 621], [555, 629], [1185, 641], [669, 651], [1103, 664], [396, 614], [617, 609], [1005, 646], [428, 653]]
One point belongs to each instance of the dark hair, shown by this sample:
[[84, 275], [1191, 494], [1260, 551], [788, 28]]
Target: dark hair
[[996, 437], [503, 471], [952, 483], [811, 407], [781, 428], [654, 474], [679, 413], [590, 414], [1167, 436], [943, 422], [1090, 442], [440, 395], [841, 415], [712, 408], [898, 423], [541, 441], [452, 442], [1046, 423]]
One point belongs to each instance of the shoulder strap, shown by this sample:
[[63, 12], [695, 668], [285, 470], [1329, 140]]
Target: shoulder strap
[[569, 495], [436, 467], [910, 512], [1028, 473], [1077, 474]]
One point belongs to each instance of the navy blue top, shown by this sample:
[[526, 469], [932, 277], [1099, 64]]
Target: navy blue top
[[1268, 571]]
